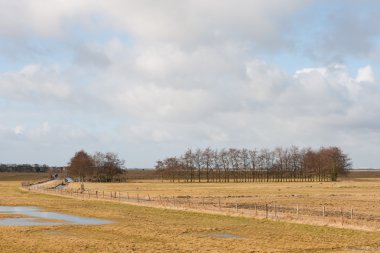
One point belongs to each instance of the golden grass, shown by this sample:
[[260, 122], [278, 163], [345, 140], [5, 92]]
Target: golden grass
[[144, 229], [23, 176], [356, 199], [361, 195]]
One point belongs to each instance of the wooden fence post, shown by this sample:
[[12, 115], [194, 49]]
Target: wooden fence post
[[275, 210], [266, 210], [298, 214], [219, 202], [352, 213], [323, 211]]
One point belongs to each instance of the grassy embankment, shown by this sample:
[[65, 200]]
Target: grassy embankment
[[142, 229]]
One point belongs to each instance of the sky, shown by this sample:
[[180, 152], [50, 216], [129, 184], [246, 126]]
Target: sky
[[149, 79]]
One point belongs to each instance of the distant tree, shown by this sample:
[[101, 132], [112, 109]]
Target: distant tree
[[223, 154], [234, 159], [198, 162], [188, 162], [280, 164], [334, 161], [81, 166], [173, 167], [217, 164], [245, 162], [107, 166], [207, 160], [253, 158], [160, 168]]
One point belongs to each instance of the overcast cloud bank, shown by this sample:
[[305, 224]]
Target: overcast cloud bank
[[147, 80]]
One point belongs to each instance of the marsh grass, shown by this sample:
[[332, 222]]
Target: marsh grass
[[23, 176], [357, 199], [145, 229]]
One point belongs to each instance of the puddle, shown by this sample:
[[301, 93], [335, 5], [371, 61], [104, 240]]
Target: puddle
[[225, 235], [36, 217], [59, 187]]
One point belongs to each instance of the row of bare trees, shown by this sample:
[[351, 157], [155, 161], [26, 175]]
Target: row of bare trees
[[100, 167], [244, 165], [23, 168]]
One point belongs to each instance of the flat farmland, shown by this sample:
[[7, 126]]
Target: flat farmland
[[149, 229], [357, 202], [355, 187], [23, 176]]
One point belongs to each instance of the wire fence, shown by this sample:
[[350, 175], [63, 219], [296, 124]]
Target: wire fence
[[249, 206]]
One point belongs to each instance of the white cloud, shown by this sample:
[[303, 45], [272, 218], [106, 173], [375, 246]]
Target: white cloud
[[159, 61], [19, 130], [34, 82], [26, 17], [266, 82], [153, 102], [365, 74], [186, 22], [179, 73]]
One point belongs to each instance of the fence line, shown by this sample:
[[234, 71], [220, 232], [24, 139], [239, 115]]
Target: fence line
[[234, 205]]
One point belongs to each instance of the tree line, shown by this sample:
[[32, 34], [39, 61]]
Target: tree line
[[245, 165], [100, 167], [24, 168]]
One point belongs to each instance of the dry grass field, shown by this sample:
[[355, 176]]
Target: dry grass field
[[146, 229], [359, 196], [22, 176]]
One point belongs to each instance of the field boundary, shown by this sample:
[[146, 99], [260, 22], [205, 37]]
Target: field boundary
[[244, 206]]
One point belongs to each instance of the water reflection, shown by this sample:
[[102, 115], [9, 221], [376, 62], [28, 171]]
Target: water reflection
[[225, 235], [36, 217]]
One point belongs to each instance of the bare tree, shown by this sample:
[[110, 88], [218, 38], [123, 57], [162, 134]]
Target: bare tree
[[107, 166], [234, 159], [160, 169], [280, 164], [198, 162], [81, 166], [223, 154], [172, 165], [244, 162], [217, 164], [253, 159], [207, 161], [188, 160]]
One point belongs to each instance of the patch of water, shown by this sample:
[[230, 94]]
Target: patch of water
[[225, 235], [40, 218], [60, 187]]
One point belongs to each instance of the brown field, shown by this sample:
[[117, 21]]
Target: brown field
[[353, 202], [22, 176], [147, 229]]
